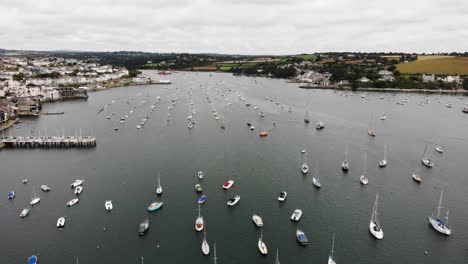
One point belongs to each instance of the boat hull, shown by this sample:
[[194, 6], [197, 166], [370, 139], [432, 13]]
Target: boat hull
[[375, 230], [439, 226]]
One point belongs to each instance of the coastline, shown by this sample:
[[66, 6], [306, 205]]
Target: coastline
[[393, 90], [8, 124], [115, 85]]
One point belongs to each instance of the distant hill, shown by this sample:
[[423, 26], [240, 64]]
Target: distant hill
[[439, 65]]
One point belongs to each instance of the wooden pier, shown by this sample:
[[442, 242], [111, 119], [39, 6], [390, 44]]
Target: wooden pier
[[49, 142]]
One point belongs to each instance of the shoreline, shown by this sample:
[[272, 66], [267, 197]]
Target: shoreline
[[393, 90], [8, 124]]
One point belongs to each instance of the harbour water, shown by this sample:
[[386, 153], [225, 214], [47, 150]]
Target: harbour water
[[123, 165]]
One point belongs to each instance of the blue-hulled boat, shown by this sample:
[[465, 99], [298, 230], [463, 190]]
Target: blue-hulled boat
[[301, 237], [11, 195], [155, 206], [202, 199], [32, 259]]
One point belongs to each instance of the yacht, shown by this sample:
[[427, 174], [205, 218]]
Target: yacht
[[233, 201], [205, 245], [439, 149], [301, 237], [73, 202], [345, 164], [425, 160], [371, 130], [305, 167], [108, 205], [363, 179], [32, 259], [296, 215], [61, 222], [282, 196], [24, 181], [383, 117], [315, 178], [143, 228], [383, 163], [159, 189], [257, 220], [374, 224], [331, 259], [261, 244], [440, 225], [35, 199], [228, 184], [306, 118], [155, 206]]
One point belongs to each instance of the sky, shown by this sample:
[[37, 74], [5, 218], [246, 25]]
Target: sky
[[250, 27]]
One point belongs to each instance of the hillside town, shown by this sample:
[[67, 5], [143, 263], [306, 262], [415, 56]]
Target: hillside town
[[26, 83]]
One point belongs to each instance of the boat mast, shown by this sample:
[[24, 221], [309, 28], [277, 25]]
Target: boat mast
[[277, 258], [346, 154], [159, 179], [376, 220], [333, 246], [440, 203], [365, 162], [385, 152], [199, 211], [215, 258]]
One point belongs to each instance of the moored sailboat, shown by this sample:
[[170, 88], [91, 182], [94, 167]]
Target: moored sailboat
[[374, 224], [199, 223], [331, 259], [345, 164], [441, 225], [261, 244], [383, 163], [363, 179]]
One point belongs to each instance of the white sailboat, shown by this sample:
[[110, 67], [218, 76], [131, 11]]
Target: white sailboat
[[364, 180], [374, 224], [371, 130], [315, 178], [425, 160], [345, 164], [439, 224], [261, 244], [331, 259], [305, 167], [159, 190], [199, 223], [35, 199], [383, 163], [205, 246]]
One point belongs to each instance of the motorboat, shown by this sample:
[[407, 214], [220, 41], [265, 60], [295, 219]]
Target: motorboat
[[45, 188], [73, 202], [108, 205], [439, 149], [320, 126], [77, 183], [25, 212], [296, 215], [439, 224], [427, 162], [233, 201], [301, 237], [416, 178], [202, 199], [61, 222], [374, 224], [305, 168], [32, 259], [282, 196], [306, 118], [78, 190], [316, 182], [198, 187], [252, 128], [138, 126], [465, 110], [205, 246], [11, 195], [200, 175], [228, 184], [371, 132], [155, 206], [257, 220], [143, 228]]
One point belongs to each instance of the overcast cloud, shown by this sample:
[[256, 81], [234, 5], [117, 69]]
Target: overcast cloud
[[235, 26]]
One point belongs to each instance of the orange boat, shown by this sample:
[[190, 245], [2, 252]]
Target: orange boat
[[263, 134]]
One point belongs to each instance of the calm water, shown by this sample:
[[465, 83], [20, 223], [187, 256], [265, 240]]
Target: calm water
[[122, 168]]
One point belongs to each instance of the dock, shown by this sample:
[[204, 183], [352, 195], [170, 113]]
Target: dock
[[49, 142]]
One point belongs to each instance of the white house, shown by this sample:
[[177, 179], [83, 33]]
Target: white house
[[385, 72], [364, 80], [451, 79], [428, 78]]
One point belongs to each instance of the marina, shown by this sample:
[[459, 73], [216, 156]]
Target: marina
[[121, 176]]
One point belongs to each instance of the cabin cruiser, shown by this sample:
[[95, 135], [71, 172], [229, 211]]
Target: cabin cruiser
[[61, 222], [296, 216], [108, 204], [282, 196], [301, 237], [233, 201], [257, 220], [143, 227], [228, 184]]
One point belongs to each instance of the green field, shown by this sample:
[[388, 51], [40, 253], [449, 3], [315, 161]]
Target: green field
[[441, 66], [307, 57]]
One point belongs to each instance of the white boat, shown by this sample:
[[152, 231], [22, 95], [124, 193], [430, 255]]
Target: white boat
[[320, 125], [441, 225], [159, 189], [77, 183], [305, 167], [439, 149], [331, 259], [425, 160], [233, 201], [345, 164], [61, 222], [78, 190], [257, 220], [383, 163], [363, 179], [228, 184], [315, 178], [306, 118], [371, 130], [277, 257], [199, 223], [296, 215], [282, 196], [261, 244], [35, 199], [24, 212], [190, 125], [374, 224], [205, 246], [200, 175], [138, 126], [198, 187], [108, 205], [73, 202], [383, 117]]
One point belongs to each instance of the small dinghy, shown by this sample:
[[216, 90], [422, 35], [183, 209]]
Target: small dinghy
[[143, 228], [108, 205], [257, 220], [155, 206], [233, 201], [61, 222], [202, 199], [296, 215], [228, 184], [72, 202]]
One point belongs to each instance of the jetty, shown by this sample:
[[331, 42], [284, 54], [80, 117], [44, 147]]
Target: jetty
[[49, 142]]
